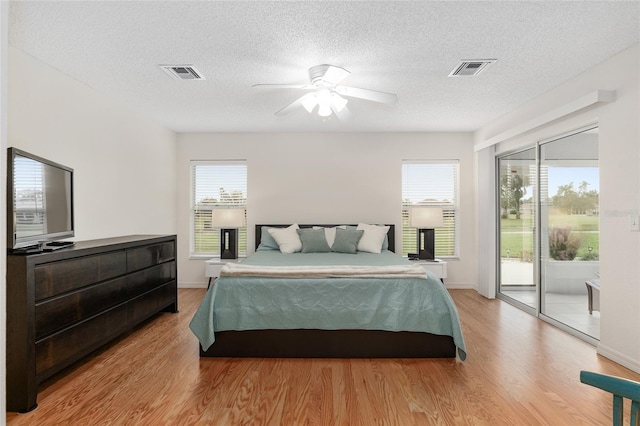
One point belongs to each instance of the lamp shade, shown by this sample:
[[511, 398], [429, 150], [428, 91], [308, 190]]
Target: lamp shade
[[425, 217], [227, 218]]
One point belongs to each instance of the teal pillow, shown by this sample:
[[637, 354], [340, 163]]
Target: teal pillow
[[313, 241], [346, 241], [266, 240]]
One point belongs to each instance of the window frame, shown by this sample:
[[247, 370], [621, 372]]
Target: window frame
[[242, 232], [447, 207]]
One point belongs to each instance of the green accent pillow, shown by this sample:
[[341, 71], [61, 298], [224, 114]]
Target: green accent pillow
[[266, 240], [346, 241], [313, 241]]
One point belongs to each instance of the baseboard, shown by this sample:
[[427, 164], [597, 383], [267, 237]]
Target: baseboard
[[459, 286], [620, 358], [192, 285]]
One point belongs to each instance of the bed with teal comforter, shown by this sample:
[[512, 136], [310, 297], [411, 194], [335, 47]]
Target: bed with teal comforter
[[326, 291]]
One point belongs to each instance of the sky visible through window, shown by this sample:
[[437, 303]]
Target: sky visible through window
[[218, 176], [428, 182], [564, 175]]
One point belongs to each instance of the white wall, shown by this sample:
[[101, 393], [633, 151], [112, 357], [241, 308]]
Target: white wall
[[4, 46], [124, 164], [619, 152], [485, 236], [326, 178]]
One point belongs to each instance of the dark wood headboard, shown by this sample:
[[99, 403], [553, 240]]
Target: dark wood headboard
[[391, 234]]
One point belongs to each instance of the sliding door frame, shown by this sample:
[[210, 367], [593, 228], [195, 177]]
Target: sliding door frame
[[537, 261]]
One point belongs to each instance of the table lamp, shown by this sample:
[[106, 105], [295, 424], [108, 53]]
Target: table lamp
[[426, 219], [228, 220]]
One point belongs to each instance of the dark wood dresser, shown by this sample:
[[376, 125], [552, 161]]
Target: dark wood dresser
[[62, 305]]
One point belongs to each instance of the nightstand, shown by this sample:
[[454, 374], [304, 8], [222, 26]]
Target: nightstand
[[437, 267], [212, 267]]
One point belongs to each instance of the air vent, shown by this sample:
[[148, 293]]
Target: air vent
[[467, 68], [182, 72]]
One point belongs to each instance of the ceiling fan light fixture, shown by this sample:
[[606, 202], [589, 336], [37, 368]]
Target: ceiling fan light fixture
[[309, 102], [324, 110], [324, 102]]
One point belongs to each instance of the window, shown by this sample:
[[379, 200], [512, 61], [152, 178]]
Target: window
[[216, 185], [433, 184]]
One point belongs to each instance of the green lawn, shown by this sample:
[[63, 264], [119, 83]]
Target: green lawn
[[519, 246], [577, 223], [517, 234]]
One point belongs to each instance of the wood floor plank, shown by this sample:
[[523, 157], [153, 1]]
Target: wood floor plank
[[519, 370]]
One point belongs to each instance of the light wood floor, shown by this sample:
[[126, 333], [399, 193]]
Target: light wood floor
[[519, 371]]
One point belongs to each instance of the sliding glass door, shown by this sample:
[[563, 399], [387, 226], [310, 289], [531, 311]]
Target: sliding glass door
[[570, 231], [548, 231], [517, 179]]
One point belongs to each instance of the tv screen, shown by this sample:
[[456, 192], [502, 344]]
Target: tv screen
[[40, 200]]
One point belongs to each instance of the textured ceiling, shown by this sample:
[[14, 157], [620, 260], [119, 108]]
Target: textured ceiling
[[407, 48]]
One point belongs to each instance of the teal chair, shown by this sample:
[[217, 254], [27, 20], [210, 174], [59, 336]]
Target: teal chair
[[620, 388]]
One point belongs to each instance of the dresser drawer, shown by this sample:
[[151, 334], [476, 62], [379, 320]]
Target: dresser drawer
[[142, 281], [152, 302], [60, 312], [61, 349], [56, 278], [143, 257]]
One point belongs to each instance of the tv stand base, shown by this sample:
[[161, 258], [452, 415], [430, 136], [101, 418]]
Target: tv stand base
[[27, 250]]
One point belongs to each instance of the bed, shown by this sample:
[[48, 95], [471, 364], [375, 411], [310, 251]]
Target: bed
[[320, 304]]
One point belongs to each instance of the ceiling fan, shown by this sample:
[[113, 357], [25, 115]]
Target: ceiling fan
[[327, 94]]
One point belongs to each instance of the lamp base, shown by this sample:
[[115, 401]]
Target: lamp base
[[228, 244], [426, 244]]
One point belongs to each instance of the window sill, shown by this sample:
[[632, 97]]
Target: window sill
[[209, 256]]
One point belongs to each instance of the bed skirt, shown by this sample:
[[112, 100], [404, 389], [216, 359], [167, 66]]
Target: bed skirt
[[330, 344]]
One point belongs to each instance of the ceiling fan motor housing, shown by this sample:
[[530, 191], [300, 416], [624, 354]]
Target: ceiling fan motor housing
[[317, 73]]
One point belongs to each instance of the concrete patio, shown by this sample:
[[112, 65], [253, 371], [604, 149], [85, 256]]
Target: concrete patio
[[567, 303]]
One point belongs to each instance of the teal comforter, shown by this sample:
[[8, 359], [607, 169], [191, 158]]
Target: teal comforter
[[399, 304]]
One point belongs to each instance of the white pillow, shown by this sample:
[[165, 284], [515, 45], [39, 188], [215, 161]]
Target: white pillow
[[330, 233], [287, 238], [372, 238]]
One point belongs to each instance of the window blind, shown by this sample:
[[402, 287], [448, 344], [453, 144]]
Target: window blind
[[431, 184], [216, 185]]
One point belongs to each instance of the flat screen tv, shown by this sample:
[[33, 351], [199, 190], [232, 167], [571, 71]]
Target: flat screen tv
[[39, 201]]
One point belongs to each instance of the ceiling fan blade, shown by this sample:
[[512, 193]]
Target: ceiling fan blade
[[284, 86], [369, 95], [335, 75], [293, 105]]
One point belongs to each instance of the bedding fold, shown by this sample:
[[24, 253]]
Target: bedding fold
[[329, 271]]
